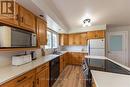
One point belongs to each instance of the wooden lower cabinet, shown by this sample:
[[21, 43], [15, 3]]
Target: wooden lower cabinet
[[42, 77], [63, 61], [28, 83], [38, 77], [26, 80], [93, 83], [76, 58]]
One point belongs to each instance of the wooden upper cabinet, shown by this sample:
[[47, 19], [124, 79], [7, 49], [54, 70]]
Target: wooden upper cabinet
[[26, 19], [71, 39], [96, 34], [91, 35], [63, 38], [77, 39], [12, 19], [42, 31], [100, 34], [83, 38]]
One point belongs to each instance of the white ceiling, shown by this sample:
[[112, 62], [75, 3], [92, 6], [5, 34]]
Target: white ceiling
[[70, 13], [111, 12]]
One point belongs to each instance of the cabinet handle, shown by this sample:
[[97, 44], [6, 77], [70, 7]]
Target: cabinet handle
[[33, 84], [21, 79], [21, 19], [43, 67], [38, 81], [17, 17]]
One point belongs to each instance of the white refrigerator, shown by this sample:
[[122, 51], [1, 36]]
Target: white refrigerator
[[96, 47]]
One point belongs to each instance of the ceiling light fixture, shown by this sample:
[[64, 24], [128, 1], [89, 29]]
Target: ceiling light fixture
[[86, 22]]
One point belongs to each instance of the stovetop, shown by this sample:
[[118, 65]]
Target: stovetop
[[106, 66]]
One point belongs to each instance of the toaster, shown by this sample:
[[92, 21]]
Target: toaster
[[21, 59]]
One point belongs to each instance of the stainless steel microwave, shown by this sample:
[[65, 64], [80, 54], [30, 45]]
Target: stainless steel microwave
[[16, 38]]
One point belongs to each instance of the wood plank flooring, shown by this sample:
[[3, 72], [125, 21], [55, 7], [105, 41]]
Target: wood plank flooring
[[70, 77]]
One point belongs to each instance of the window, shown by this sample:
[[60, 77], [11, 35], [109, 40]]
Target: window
[[52, 40], [55, 40], [49, 42]]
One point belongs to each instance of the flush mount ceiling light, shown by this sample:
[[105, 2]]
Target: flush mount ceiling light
[[86, 22]]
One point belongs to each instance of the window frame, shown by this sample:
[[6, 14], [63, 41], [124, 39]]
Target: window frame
[[53, 32]]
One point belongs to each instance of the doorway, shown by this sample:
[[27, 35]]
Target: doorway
[[118, 46]]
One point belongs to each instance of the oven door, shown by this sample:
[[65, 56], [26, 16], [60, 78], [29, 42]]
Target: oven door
[[87, 75]]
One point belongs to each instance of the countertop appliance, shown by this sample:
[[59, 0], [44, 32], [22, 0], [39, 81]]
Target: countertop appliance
[[21, 59], [14, 37], [100, 65], [54, 70], [33, 55], [96, 47]]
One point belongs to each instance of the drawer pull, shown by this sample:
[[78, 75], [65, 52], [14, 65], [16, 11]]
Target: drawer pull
[[20, 80], [43, 67], [38, 81]]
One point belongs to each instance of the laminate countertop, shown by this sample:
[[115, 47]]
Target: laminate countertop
[[107, 79], [10, 72]]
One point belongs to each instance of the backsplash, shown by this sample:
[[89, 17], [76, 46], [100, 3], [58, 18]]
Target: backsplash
[[74, 48], [5, 57]]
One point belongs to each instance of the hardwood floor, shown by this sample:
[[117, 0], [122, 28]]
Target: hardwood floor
[[70, 77]]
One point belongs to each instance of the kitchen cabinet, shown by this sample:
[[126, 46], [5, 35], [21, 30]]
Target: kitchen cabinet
[[96, 34], [41, 32], [63, 39], [76, 39], [42, 76], [71, 39], [26, 19], [83, 39], [63, 61], [26, 80], [93, 83], [100, 34], [10, 19], [76, 58]]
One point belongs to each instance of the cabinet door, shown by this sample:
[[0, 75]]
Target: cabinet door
[[77, 39], [63, 39], [100, 34], [28, 83], [83, 39], [61, 63], [42, 78], [10, 20], [42, 31], [66, 39], [27, 19], [71, 39], [91, 34]]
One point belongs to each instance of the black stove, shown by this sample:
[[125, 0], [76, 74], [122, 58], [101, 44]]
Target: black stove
[[100, 65], [106, 66]]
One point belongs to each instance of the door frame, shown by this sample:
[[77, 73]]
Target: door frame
[[125, 34]]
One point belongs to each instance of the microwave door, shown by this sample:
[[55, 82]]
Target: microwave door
[[34, 42], [20, 38]]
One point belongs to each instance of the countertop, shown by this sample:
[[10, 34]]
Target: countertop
[[10, 72], [107, 79]]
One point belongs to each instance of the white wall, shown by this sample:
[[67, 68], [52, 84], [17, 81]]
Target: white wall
[[122, 28], [5, 57]]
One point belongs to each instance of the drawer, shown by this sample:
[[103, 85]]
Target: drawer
[[20, 79], [42, 67]]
